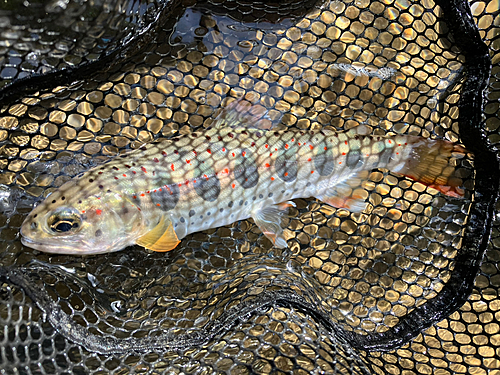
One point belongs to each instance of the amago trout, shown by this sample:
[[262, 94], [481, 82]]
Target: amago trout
[[156, 195]]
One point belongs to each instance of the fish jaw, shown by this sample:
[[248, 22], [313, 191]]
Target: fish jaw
[[70, 246]]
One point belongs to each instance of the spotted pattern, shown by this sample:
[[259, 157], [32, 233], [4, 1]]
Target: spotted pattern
[[246, 171], [208, 188], [286, 165], [353, 159], [166, 197], [324, 161]]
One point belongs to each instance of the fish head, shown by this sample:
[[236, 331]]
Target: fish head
[[73, 220]]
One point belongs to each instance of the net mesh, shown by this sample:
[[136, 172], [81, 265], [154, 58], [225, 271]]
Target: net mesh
[[386, 291]]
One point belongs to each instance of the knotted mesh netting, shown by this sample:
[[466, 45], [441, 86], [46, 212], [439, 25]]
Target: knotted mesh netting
[[409, 286]]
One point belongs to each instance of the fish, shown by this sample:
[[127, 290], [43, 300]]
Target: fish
[[239, 168]]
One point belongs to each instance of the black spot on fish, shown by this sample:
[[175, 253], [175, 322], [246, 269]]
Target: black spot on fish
[[270, 195], [261, 196], [101, 187], [182, 220], [353, 158], [208, 213], [246, 171], [286, 164], [385, 157], [167, 197], [241, 202], [230, 204], [191, 213], [208, 188], [98, 233], [324, 160], [221, 210]]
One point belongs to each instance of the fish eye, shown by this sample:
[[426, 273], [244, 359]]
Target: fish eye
[[64, 220]]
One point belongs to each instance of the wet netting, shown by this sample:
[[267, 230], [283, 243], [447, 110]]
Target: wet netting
[[409, 286]]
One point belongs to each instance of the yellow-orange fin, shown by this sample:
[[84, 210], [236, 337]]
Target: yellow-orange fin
[[348, 194], [161, 238], [432, 163], [268, 219]]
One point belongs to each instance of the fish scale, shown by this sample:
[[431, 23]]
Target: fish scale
[[160, 193]]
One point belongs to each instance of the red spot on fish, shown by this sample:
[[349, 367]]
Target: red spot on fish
[[187, 182], [180, 185], [83, 211], [164, 153], [311, 147], [156, 160], [208, 150], [397, 153], [340, 162], [293, 140], [389, 141], [309, 159], [312, 172], [98, 211], [195, 153], [267, 165], [124, 175], [207, 176], [99, 173], [233, 154], [345, 142], [272, 178], [154, 191], [134, 172], [147, 192], [226, 170], [271, 154], [233, 186], [116, 178], [343, 153], [326, 148], [172, 167], [134, 197], [188, 161], [194, 182], [406, 144], [299, 143], [223, 149], [144, 170], [142, 195], [267, 146], [286, 174], [243, 153], [275, 149], [286, 146], [158, 204], [253, 144]]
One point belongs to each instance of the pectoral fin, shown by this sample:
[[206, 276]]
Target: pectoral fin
[[348, 194], [268, 219], [161, 238]]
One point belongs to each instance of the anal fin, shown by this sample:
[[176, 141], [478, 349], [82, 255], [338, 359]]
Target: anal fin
[[161, 238], [268, 219], [348, 194]]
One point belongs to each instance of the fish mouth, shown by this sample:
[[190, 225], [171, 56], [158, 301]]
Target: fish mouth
[[58, 248]]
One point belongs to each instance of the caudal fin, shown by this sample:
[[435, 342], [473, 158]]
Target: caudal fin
[[431, 162]]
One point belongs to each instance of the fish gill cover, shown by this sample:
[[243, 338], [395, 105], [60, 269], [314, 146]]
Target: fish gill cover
[[86, 81]]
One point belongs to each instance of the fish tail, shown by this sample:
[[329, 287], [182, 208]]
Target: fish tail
[[433, 163]]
